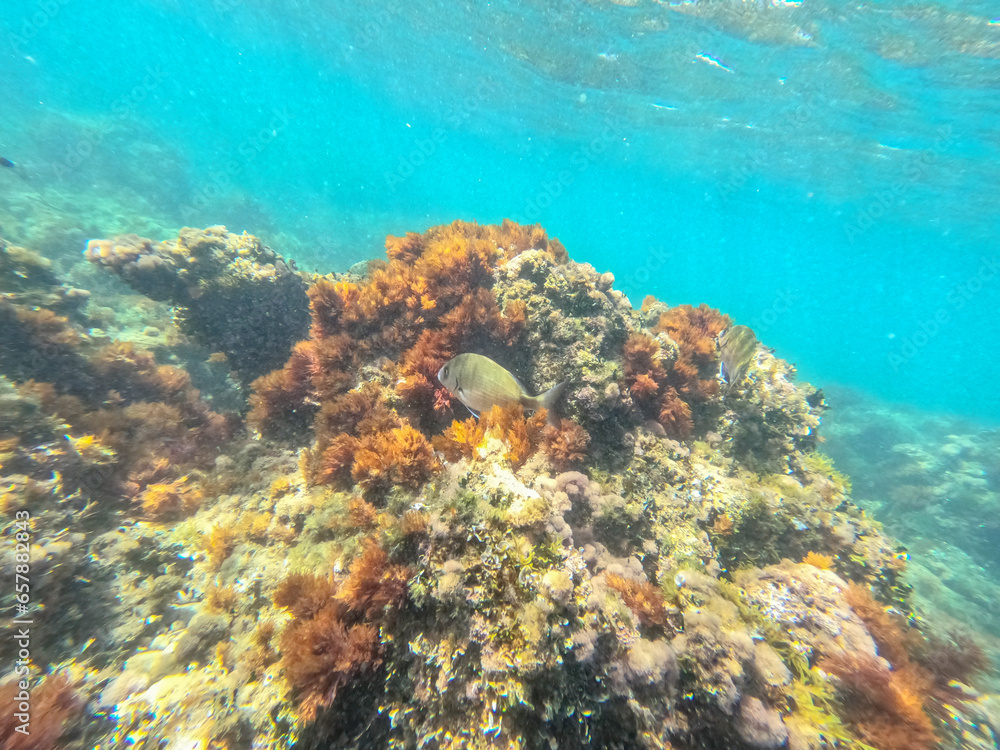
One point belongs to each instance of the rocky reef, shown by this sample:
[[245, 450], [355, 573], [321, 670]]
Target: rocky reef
[[662, 563], [230, 292]]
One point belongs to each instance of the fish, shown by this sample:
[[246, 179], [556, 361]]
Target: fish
[[738, 345], [6, 162], [480, 384]]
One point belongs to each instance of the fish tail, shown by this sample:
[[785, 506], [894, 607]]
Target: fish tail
[[548, 401]]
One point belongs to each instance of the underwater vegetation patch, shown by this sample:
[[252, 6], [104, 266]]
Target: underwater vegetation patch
[[359, 562]]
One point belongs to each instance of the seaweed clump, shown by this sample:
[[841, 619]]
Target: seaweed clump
[[433, 299], [673, 390], [128, 421], [334, 637], [53, 703]]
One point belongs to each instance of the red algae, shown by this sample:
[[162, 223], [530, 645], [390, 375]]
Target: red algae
[[334, 637], [432, 300]]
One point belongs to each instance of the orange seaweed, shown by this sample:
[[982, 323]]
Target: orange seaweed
[[884, 707], [334, 637], [675, 415], [523, 435], [694, 330], [221, 599], [321, 655], [669, 395], [818, 560], [401, 456], [54, 702], [373, 585], [432, 299], [305, 594], [361, 514], [413, 523], [219, 543], [642, 357], [566, 445], [894, 643], [336, 460], [643, 598], [170, 501], [460, 439]]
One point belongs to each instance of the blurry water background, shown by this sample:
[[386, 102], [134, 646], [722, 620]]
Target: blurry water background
[[825, 173]]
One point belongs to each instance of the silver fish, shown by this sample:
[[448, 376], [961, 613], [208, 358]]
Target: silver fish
[[480, 383]]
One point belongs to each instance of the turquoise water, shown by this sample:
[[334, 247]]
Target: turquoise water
[[825, 174]]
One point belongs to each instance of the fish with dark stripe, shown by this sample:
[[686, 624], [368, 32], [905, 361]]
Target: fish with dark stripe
[[738, 346]]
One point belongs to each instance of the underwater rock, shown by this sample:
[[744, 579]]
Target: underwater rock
[[380, 570], [576, 335], [232, 293], [809, 605], [204, 630], [26, 278], [769, 419], [760, 726]]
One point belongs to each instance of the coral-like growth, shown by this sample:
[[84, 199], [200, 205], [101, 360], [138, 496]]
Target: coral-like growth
[[169, 501], [53, 703], [643, 598], [566, 445], [883, 706], [335, 634], [818, 560], [402, 456]]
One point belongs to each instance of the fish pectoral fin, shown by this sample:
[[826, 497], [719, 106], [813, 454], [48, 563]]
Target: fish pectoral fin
[[470, 410]]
